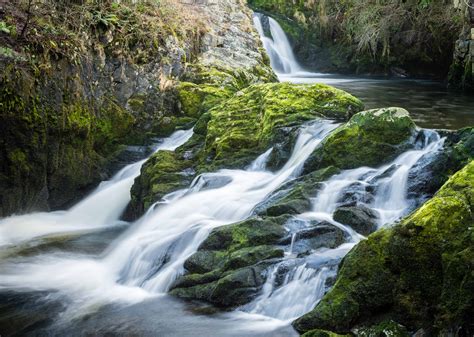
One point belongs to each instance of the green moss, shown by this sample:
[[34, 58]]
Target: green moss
[[160, 176], [383, 329], [435, 289], [61, 144], [370, 138], [245, 125], [233, 133], [322, 333], [298, 198], [225, 260], [190, 97]]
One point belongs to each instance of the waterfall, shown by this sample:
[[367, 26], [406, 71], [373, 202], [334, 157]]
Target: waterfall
[[148, 257], [305, 282], [153, 255], [103, 207], [278, 47]]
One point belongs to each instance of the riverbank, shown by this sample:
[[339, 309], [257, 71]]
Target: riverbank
[[399, 39]]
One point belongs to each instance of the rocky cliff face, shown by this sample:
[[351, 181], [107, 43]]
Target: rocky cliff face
[[461, 74], [80, 81]]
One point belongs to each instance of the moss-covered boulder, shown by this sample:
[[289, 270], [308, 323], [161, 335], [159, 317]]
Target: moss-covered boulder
[[295, 196], [238, 129], [164, 172], [370, 138], [228, 269], [245, 125], [418, 273]]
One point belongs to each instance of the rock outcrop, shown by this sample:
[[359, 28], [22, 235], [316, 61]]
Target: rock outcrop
[[73, 94], [461, 74], [235, 132]]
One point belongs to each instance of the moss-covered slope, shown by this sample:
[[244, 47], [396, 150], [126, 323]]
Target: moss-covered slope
[[419, 273], [81, 79], [234, 132]]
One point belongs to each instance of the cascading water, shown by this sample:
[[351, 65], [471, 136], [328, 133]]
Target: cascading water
[[305, 282], [278, 47], [149, 257], [103, 207]]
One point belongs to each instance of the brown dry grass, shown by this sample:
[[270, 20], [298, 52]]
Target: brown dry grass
[[67, 28]]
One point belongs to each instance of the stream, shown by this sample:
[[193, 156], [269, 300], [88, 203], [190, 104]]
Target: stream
[[84, 271]]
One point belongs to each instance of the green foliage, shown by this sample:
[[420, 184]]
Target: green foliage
[[66, 29], [368, 36], [7, 28]]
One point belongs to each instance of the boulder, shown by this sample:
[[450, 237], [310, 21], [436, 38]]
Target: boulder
[[360, 218], [370, 138]]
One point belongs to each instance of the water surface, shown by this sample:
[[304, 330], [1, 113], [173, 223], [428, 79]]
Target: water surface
[[430, 104]]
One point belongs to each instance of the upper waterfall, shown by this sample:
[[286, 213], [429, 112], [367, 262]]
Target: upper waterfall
[[278, 47]]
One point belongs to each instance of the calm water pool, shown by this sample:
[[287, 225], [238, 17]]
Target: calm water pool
[[430, 104]]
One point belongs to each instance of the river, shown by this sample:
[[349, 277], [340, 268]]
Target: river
[[84, 271]]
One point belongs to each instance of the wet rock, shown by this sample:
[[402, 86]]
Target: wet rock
[[432, 171], [383, 329], [251, 232], [295, 196], [357, 193], [370, 138], [322, 333], [416, 273], [322, 235], [235, 288], [360, 218]]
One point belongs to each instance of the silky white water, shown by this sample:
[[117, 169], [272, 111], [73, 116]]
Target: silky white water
[[304, 285], [278, 47], [103, 207], [146, 259]]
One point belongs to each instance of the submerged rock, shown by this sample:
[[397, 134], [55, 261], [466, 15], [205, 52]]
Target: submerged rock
[[418, 273]]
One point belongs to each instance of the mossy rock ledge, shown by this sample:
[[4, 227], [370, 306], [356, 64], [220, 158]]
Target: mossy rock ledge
[[418, 273], [234, 132], [370, 138]]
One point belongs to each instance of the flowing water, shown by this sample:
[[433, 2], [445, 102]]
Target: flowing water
[[430, 104], [305, 283], [120, 289], [145, 260], [278, 47], [103, 207]]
